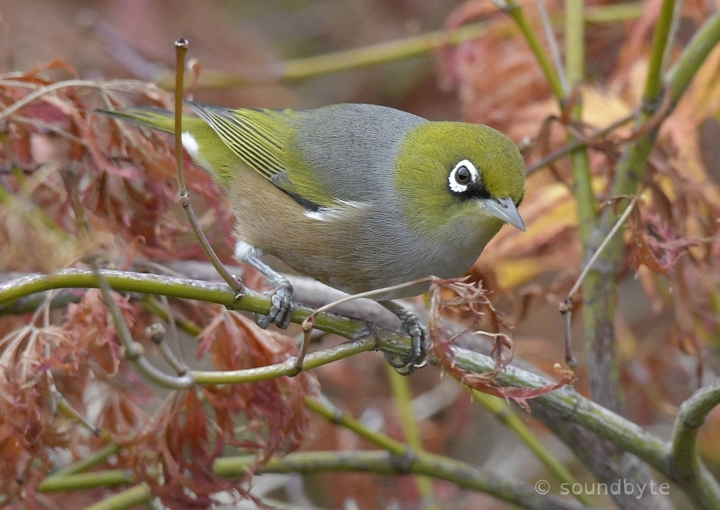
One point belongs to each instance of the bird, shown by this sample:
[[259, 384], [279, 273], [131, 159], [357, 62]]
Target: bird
[[360, 197]]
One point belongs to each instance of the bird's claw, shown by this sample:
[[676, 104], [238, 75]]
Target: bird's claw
[[417, 357], [281, 309]]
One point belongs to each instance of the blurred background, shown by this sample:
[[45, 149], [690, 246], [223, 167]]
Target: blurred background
[[133, 39], [493, 80]]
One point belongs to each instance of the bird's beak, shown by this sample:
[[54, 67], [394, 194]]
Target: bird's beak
[[504, 209]]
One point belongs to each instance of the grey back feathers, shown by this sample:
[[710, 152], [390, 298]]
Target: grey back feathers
[[345, 150], [352, 148]]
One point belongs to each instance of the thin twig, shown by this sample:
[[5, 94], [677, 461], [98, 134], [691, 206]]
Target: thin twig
[[132, 350], [567, 305], [553, 45], [693, 55], [49, 127], [576, 143], [181, 46], [504, 413], [45, 90], [309, 322], [90, 461], [157, 333], [174, 329], [515, 11], [595, 255], [402, 397]]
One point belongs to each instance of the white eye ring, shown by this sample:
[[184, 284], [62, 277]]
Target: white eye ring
[[459, 187]]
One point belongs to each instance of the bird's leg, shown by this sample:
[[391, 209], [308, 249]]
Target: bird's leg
[[281, 296], [417, 357]]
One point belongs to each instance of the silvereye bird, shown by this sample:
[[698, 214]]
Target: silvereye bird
[[359, 197]]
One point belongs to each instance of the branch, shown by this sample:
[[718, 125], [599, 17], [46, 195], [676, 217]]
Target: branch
[[504, 413], [516, 13], [382, 463], [661, 36], [89, 461], [599, 288], [564, 409], [565, 403], [597, 306], [692, 57], [304, 68], [172, 287], [683, 451], [126, 499], [576, 143], [575, 63], [402, 397], [132, 350]]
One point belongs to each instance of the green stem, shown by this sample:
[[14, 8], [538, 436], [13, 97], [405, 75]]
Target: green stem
[[574, 41], [304, 68], [575, 64], [705, 39], [599, 286], [516, 13], [504, 413], [84, 481], [336, 416], [436, 466], [403, 401], [129, 498], [612, 13], [599, 352], [132, 350], [171, 287], [152, 306], [702, 490], [692, 414], [653, 83], [383, 463], [88, 462]]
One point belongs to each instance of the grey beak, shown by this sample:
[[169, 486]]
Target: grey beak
[[504, 209]]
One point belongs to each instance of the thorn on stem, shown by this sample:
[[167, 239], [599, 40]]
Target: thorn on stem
[[566, 308], [156, 332], [307, 326], [403, 462]]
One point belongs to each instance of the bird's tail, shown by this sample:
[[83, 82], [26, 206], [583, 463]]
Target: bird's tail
[[162, 120]]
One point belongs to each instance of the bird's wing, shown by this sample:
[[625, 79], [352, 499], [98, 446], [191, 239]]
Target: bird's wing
[[262, 140]]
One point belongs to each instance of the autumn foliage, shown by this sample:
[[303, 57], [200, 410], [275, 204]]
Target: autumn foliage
[[82, 191]]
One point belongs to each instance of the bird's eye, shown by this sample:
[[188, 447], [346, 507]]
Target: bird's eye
[[462, 176]]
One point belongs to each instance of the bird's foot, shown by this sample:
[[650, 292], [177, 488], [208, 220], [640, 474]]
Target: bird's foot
[[418, 355], [282, 306]]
